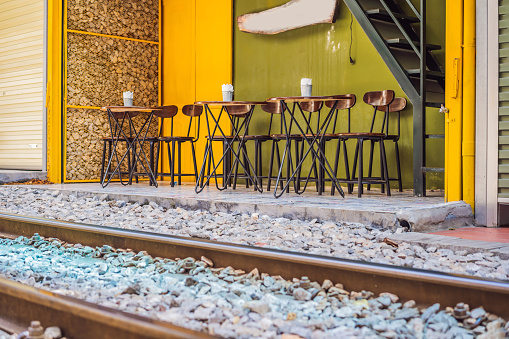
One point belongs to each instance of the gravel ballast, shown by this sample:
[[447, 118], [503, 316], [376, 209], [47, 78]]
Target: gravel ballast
[[350, 241], [227, 302]]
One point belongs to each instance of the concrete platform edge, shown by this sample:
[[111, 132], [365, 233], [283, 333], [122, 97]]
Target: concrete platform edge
[[424, 219], [18, 176], [452, 243]]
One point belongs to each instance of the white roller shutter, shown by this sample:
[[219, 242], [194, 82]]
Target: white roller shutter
[[21, 83]]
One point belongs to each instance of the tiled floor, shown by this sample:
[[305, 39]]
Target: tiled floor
[[372, 208], [500, 235]]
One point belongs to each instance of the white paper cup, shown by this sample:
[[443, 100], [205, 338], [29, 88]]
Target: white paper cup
[[227, 96], [306, 90], [128, 102]]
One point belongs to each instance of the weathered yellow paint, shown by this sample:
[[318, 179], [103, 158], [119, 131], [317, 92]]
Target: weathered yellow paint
[[84, 107], [54, 91], [453, 100], [197, 60], [468, 145]]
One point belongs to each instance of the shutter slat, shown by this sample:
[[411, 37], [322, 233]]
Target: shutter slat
[[503, 155], [21, 83]]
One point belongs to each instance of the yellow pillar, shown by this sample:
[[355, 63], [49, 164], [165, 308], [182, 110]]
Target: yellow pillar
[[468, 146], [454, 100], [54, 91], [197, 42]]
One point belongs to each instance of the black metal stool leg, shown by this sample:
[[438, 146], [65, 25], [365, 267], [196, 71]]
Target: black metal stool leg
[[336, 164], [103, 161], [248, 172], [130, 166], [179, 163], [288, 165], [135, 169], [386, 172], [228, 166], [194, 162], [360, 188], [170, 158], [299, 153], [279, 161], [152, 162], [398, 166], [271, 163], [345, 156], [370, 168], [315, 171], [321, 171], [235, 175], [156, 166], [354, 167], [225, 164], [255, 162], [382, 172], [172, 169], [209, 163]]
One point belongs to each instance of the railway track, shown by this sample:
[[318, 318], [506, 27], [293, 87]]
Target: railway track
[[84, 320]]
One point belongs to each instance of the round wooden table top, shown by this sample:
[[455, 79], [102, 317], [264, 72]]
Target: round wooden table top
[[304, 99], [122, 109], [229, 103]]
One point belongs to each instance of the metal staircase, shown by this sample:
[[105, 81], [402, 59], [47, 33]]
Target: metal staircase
[[397, 29]]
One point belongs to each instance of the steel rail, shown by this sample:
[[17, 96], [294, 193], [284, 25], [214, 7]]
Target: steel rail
[[20, 304], [425, 287]]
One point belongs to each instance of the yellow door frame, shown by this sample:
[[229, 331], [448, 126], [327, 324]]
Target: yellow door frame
[[54, 85], [460, 101], [469, 68]]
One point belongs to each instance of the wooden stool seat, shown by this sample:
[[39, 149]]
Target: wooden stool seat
[[175, 138]]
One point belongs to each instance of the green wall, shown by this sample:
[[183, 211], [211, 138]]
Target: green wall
[[272, 65]]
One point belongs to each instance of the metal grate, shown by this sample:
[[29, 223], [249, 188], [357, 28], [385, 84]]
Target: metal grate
[[130, 19], [99, 69]]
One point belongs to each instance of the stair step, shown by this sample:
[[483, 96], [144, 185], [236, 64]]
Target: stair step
[[435, 136], [433, 169], [383, 15], [434, 104], [433, 75], [402, 43]]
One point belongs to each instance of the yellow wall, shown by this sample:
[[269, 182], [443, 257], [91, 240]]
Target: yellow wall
[[196, 61]]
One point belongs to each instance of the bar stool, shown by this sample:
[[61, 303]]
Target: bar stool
[[236, 114], [397, 105], [169, 112], [275, 108], [313, 108], [344, 102], [375, 99], [259, 140]]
